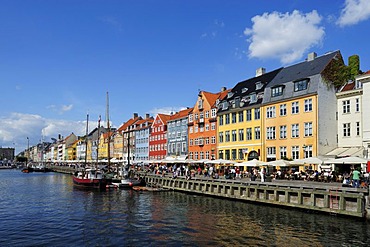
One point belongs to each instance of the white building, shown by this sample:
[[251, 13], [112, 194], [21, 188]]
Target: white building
[[364, 79]]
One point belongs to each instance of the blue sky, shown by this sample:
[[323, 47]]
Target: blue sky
[[59, 58]]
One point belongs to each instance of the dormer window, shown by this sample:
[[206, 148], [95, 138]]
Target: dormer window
[[259, 85], [244, 90], [225, 105], [301, 85], [230, 94], [253, 98], [277, 91]]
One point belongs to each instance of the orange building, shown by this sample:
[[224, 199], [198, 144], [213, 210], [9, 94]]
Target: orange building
[[202, 127]]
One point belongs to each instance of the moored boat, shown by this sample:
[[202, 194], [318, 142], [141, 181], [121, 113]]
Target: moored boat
[[91, 178]]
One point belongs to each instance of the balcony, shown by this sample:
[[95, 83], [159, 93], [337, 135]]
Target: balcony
[[190, 123]]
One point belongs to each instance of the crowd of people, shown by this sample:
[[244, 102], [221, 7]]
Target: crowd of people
[[353, 178]]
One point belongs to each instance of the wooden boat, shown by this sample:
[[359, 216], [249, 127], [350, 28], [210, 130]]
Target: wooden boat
[[147, 188], [91, 178]]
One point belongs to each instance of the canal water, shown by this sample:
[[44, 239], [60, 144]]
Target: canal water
[[44, 209]]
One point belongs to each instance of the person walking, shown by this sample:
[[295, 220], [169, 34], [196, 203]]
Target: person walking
[[356, 178]]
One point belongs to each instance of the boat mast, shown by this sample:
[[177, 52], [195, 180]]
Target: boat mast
[[98, 143], [108, 126], [87, 132]]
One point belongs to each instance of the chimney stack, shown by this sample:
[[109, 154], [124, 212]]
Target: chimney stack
[[147, 116], [311, 56], [260, 71], [223, 89], [136, 115]]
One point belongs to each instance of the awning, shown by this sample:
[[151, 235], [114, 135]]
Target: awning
[[347, 151]]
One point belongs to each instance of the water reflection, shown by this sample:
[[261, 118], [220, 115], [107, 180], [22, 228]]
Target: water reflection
[[45, 209]]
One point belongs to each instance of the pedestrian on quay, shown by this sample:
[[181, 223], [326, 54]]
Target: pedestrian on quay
[[356, 178]]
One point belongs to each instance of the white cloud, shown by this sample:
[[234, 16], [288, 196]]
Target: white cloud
[[284, 36], [60, 109], [15, 128], [166, 110], [354, 11]]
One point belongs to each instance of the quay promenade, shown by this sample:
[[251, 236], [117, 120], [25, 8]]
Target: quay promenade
[[322, 197]]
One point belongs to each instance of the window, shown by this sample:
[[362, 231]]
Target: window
[[271, 135], [213, 126], [241, 116], [308, 105], [295, 130], [221, 154], [213, 140], [227, 118], [233, 117], [221, 137], [295, 107], [227, 154], [301, 85], [213, 112], [308, 151], [207, 114], [357, 104], [249, 114], [249, 133], [347, 129], [257, 113], [308, 129], [233, 154], [233, 135], [227, 136], [283, 110], [295, 152], [207, 140], [257, 133], [253, 98], [277, 91], [271, 152], [221, 120], [358, 128], [241, 135], [283, 132], [207, 127], [270, 112], [183, 147], [207, 155], [283, 152], [200, 104], [196, 129], [240, 154], [346, 106]]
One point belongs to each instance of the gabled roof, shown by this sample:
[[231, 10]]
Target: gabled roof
[[255, 85], [304, 69], [212, 98], [164, 117], [181, 114], [130, 122], [348, 86]]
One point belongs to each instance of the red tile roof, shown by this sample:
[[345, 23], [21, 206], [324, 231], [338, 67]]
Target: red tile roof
[[181, 114]]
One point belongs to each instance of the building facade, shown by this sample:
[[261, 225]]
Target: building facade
[[158, 137]]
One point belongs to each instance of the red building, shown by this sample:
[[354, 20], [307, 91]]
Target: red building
[[158, 137]]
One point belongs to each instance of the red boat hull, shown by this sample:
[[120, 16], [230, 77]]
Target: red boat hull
[[90, 183]]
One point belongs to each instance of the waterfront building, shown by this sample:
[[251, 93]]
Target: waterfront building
[[177, 134], [364, 80], [7, 153], [93, 140], [239, 116], [299, 108], [142, 139], [127, 130], [70, 147], [158, 137], [202, 125], [117, 140], [105, 147], [349, 104]]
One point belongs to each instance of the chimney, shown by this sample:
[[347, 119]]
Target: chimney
[[260, 71], [311, 56], [147, 116], [223, 89], [136, 115]]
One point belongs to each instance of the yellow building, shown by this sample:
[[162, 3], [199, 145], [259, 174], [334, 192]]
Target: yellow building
[[240, 120], [299, 108]]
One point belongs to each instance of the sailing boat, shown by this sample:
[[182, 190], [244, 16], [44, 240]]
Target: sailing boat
[[90, 177]]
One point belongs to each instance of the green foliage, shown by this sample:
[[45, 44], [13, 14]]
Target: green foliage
[[336, 73], [354, 66]]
